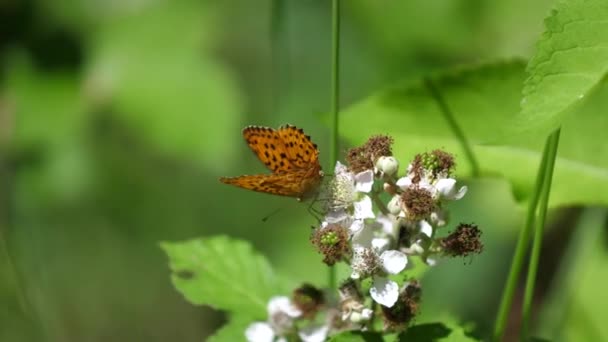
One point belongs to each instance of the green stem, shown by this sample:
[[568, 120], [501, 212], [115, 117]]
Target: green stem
[[279, 55], [335, 101], [538, 234], [520, 251], [451, 120]]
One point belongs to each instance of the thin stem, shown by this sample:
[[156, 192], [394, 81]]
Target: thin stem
[[520, 251], [449, 117], [538, 234], [279, 53], [335, 101]]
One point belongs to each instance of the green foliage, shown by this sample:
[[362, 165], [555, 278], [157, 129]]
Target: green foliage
[[160, 79], [571, 59], [234, 330], [483, 100], [427, 332], [223, 273]]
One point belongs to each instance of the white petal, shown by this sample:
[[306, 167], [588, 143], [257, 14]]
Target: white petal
[[393, 261], [259, 332], [363, 208], [282, 304], [430, 261], [438, 218], [380, 244], [336, 216], [446, 187], [388, 225], [364, 181], [340, 169], [384, 291], [356, 227], [363, 238], [404, 182], [460, 194], [366, 314], [425, 228], [313, 333]]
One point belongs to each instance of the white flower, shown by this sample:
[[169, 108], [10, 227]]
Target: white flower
[[348, 190], [260, 332], [446, 189], [281, 313], [384, 291], [313, 333], [378, 262]]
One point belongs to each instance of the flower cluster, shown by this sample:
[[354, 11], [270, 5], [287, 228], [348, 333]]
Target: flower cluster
[[376, 221]]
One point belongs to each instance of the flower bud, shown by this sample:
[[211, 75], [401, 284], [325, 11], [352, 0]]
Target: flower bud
[[394, 205], [387, 165]]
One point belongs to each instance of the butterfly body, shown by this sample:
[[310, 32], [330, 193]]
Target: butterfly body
[[291, 156]]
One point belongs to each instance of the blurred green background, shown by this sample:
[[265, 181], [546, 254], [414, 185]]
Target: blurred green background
[[118, 117]]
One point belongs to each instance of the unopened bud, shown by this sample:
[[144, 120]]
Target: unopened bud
[[387, 165], [394, 205]]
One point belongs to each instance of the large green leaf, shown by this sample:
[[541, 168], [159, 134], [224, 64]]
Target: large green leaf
[[223, 273], [571, 59], [234, 330], [482, 100]]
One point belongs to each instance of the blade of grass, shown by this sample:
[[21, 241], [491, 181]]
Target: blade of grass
[[520, 252], [538, 234]]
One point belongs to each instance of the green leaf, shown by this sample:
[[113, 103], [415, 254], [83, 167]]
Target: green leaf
[[482, 100], [571, 59], [223, 273], [234, 330], [352, 336], [429, 332]]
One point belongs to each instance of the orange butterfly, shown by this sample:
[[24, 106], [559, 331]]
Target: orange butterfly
[[289, 154]]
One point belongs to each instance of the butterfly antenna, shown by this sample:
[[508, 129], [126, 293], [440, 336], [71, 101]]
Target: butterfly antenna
[[265, 218]]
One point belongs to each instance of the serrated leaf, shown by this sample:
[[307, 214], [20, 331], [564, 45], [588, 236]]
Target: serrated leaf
[[223, 273], [482, 100], [570, 60], [434, 332], [234, 330], [352, 336]]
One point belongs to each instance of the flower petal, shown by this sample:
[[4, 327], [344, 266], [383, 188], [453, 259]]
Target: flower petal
[[384, 291], [404, 182], [340, 168], [393, 261], [425, 228], [388, 225], [313, 333], [259, 332], [336, 216], [363, 208], [282, 304], [380, 244], [446, 187], [364, 181]]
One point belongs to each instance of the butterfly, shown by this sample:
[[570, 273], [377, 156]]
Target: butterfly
[[291, 156]]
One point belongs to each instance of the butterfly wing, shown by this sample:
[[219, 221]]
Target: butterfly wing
[[269, 147], [292, 184], [300, 150]]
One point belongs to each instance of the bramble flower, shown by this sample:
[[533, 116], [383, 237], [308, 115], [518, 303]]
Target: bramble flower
[[281, 315], [372, 257], [376, 239]]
